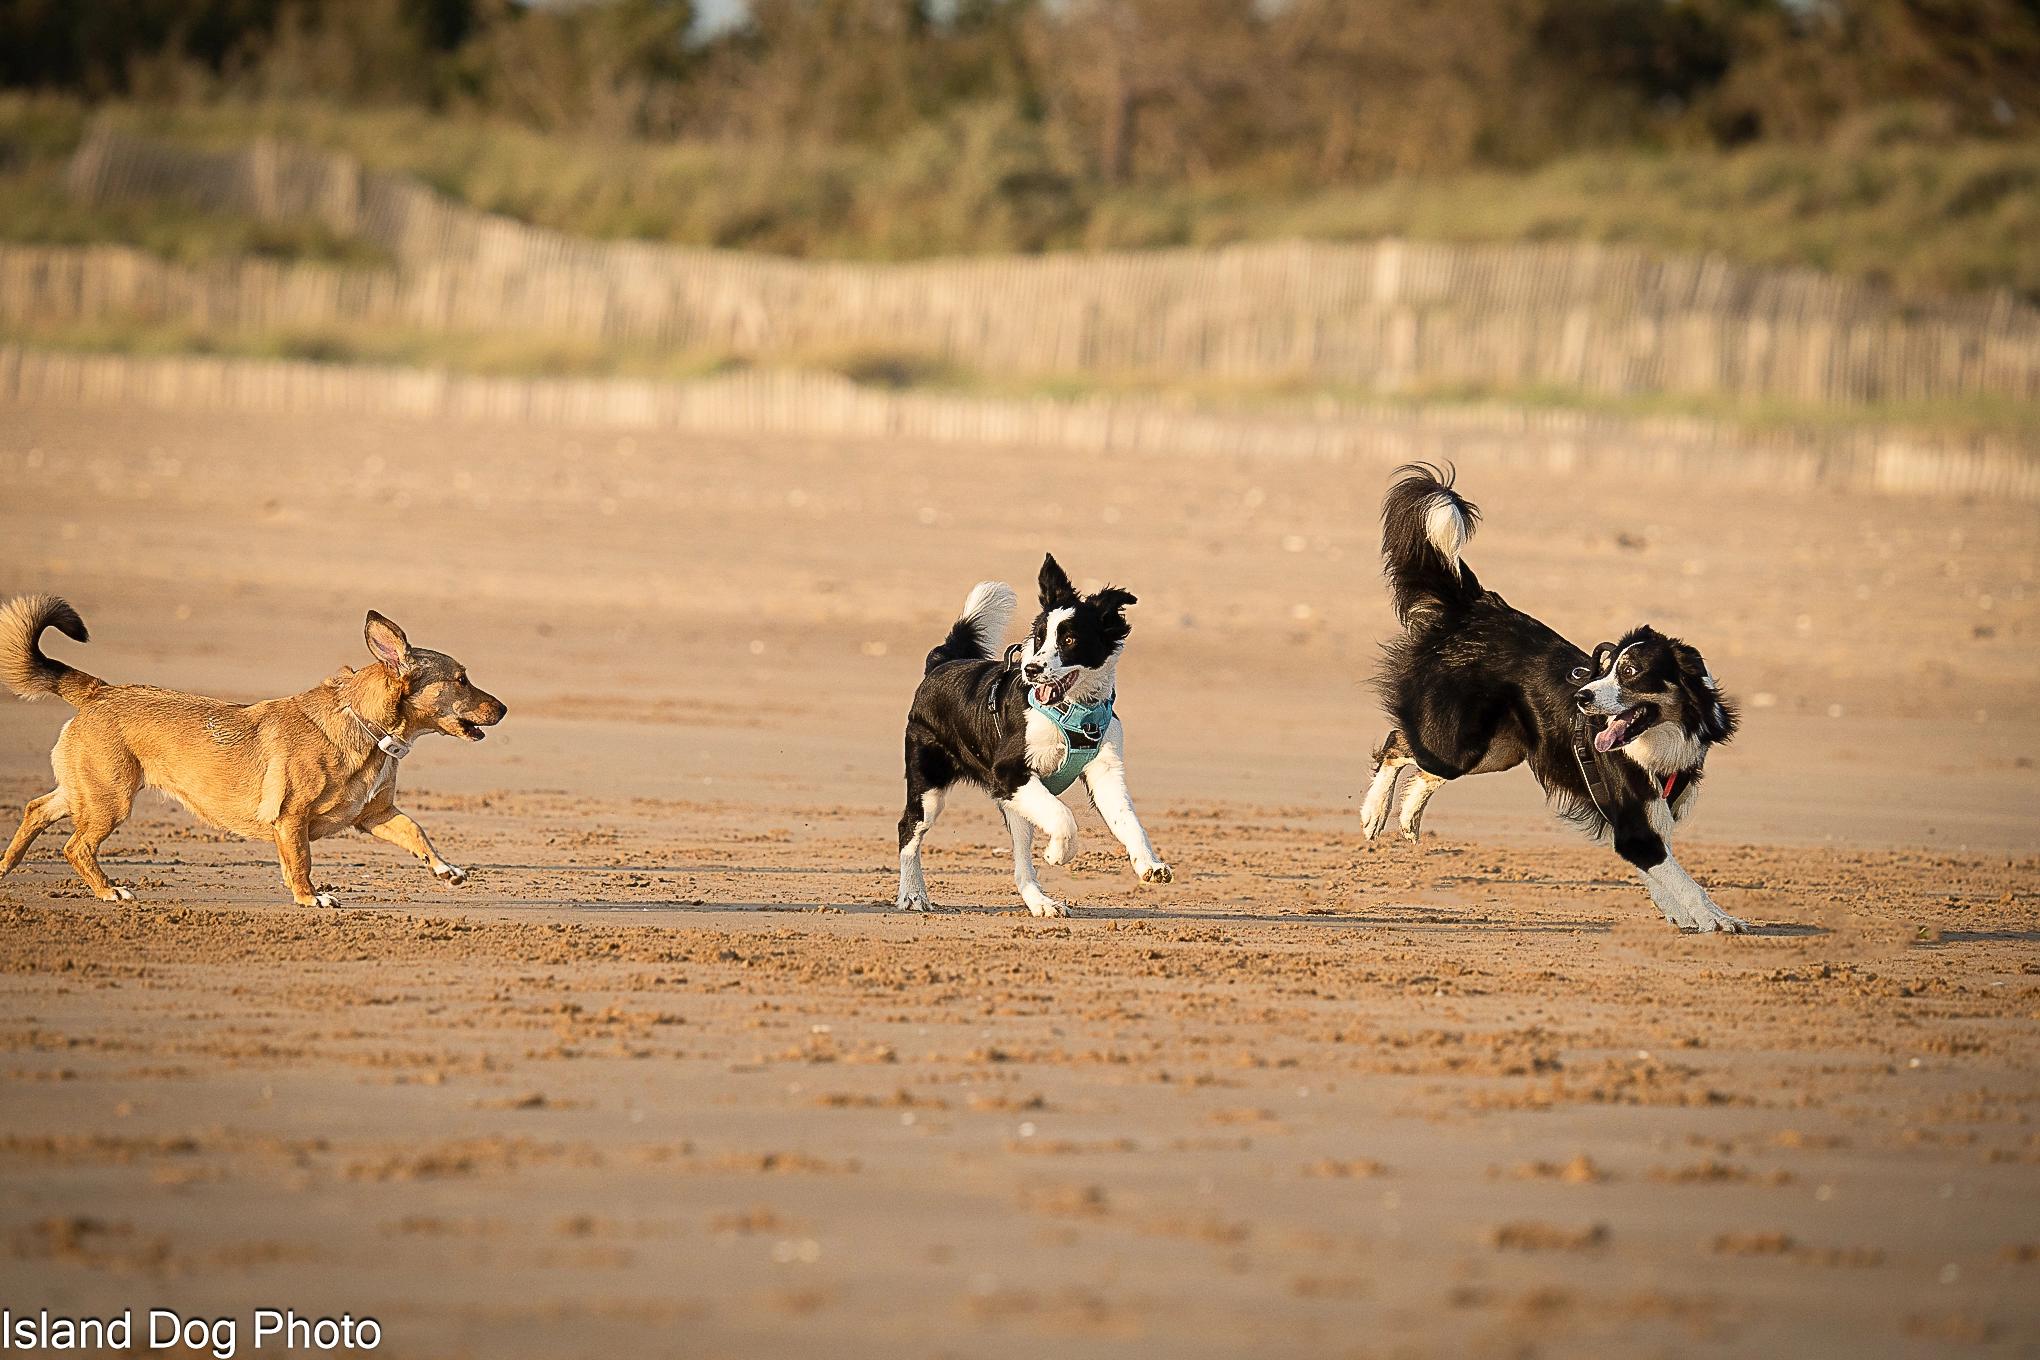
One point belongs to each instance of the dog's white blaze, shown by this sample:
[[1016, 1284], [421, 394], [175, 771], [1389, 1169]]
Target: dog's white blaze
[[1606, 692], [990, 606], [1445, 526], [1105, 781], [1049, 655]]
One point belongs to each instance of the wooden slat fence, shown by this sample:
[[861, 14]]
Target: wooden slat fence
[[1388, 316]]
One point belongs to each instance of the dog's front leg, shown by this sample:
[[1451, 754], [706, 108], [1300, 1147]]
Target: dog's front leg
[[1642, 836], [1669, 879], [294, 850], [1105, 781], [1030, 806], [393, 825]]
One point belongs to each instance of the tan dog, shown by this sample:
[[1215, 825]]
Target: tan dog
[[289, 770]]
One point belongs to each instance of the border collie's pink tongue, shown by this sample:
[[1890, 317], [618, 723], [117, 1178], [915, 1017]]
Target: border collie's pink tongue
[[1053, 693], [1615, 733]]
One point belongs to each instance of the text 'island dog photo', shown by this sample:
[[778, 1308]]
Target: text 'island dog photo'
[[762, 678]]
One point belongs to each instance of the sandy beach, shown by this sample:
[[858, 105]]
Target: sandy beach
[[669, 1075]]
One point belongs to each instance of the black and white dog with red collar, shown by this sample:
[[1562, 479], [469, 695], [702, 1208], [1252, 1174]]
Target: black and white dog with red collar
[[1023, 723], [1617, 738]]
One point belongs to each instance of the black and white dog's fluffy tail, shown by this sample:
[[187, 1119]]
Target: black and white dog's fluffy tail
[[1425, 526], [978, 631]]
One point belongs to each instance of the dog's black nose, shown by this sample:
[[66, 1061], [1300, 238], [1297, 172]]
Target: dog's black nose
[[1583, 700], [1032, 670]]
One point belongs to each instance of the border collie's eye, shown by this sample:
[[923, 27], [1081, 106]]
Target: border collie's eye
[[1580, 673]]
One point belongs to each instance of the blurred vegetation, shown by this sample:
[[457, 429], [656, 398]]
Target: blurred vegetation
[[1890, 196], [1897, 139]]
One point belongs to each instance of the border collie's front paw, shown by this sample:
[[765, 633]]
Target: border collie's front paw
[[1061, 850], [1040, 903], [1158, 873], [914, 901], [1721, 922], [451, 874]]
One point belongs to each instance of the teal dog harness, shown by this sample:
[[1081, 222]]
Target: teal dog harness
[[1083, 728]]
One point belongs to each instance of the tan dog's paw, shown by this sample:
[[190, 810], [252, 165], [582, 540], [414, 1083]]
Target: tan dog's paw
[[1158, 873], [116, 893], [451, 874]]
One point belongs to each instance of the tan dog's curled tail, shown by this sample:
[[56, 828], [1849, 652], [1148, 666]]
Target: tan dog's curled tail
[[24, 668]]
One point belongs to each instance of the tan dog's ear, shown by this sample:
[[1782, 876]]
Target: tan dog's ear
[[387, 643]]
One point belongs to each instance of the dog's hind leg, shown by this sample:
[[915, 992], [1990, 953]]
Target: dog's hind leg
[[294, 852], [1422, 785], [1389, 759], [914, 823], [40, 814], [1038, 902], [393, 825], [1105, 781]]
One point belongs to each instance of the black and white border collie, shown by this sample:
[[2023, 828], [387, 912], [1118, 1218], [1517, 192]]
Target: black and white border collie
[[1617, 738], [972, 721]]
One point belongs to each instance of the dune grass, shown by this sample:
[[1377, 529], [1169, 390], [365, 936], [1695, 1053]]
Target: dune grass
[[1925, 214]]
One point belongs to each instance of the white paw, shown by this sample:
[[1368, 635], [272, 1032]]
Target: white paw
[[325, 899], [1157, 873], [1411, 832], [450, 874], [1723, 923], [1374, 815], [1041, 904], [117, 894], [1060, 850], [914, 901]]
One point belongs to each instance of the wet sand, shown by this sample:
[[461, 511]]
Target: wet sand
[[670, 1076]]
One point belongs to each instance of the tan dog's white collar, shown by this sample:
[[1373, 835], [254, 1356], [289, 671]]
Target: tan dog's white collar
[[386, 742]]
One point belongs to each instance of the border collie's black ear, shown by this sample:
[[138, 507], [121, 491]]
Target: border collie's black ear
[[1056, 590], [1112, 599], [1717, 715]]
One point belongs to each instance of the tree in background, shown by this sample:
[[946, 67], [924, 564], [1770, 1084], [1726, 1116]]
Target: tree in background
[[1106, 91]]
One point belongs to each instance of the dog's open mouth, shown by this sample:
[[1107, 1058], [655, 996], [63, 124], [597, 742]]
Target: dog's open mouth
[[1625, 727], [469, 731], [1054, 690]]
